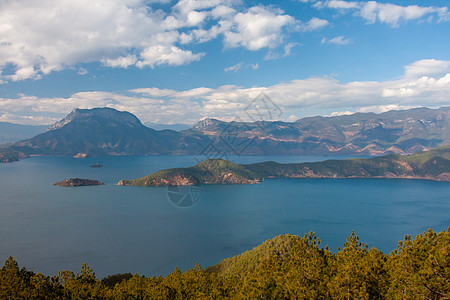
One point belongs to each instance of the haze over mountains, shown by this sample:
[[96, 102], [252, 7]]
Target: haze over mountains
[[106, 131], [10, 133]]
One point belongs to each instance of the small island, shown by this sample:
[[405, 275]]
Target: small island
[[72, 182], [431, 165], [97, 165]]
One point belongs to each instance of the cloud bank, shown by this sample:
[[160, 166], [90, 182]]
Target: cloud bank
[[424, 83]]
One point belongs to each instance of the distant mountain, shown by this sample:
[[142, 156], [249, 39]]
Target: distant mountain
[[106, 131], [10, 133], [403, 132], [433, 165], [176, 127]]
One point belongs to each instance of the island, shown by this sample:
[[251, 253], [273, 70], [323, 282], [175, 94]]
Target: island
[[72, 182], [97, 165], [432, 165]]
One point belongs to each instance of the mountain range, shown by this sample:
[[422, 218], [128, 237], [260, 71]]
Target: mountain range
[[396, 131], [106, 131]]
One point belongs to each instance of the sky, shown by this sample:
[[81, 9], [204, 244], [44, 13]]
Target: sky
[[181, 61]]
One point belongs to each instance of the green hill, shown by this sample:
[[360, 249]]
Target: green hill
[[211, 171], [285, 267], [433, 165]]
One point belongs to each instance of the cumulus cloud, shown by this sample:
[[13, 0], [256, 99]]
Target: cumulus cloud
[[339, 40], [170, 55], [257, 28], [423, 84], [40, 37], [427, 67], [387, 13]]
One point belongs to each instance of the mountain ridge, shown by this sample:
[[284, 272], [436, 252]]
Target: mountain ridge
[[106, 131]]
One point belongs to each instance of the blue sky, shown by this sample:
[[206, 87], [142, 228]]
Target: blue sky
[[180, 61]]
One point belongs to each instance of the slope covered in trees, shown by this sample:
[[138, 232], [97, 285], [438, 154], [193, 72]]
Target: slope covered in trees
[[434, 165], [285, 267]]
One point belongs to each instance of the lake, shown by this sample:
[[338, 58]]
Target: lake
[[118, 229]]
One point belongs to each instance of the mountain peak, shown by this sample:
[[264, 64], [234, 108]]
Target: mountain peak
[[206, 123], [107, 113]]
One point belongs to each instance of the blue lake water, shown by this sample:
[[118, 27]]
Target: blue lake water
[[118, 229]]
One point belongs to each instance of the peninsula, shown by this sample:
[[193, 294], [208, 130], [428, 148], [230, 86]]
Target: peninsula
[[432, 165]]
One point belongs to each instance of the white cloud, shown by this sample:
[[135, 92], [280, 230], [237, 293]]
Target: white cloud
[[314, 24], [154, 92], [418, 87], [387, 13], [257, 28], [121, 61], [241, 65], [427, 67], [40, 37], [341, 113], [339, 40], [234, 68], [384, 108], [82, 71], [27, 120], [170, 55], [287, 51], [339, 4], [292, 118]]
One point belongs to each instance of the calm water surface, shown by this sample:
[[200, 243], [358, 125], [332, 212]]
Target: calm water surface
[[118, 229]]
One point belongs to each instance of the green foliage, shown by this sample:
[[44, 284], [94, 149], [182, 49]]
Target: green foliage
[[112, 280], [358, 272], [421, 267], [285, 267]]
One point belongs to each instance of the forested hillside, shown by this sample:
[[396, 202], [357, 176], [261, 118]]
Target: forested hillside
[[285, 267], [433, 165]]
